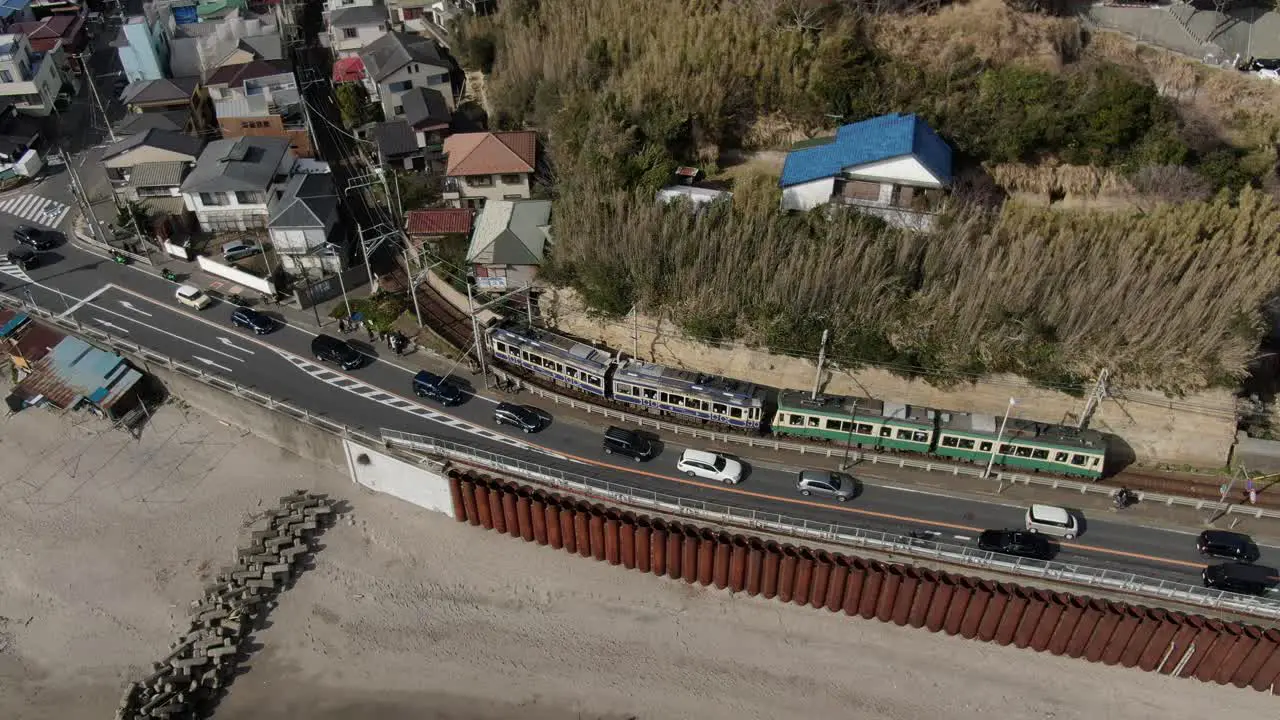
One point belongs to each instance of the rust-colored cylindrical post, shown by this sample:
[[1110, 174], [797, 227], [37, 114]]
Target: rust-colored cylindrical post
[[1129, 619], [1203, 642], [482, 506], [738, 563], [675, 551], [627, 542], [978, 602], [935, 618], [469, 502], [1071, 613], [1246, 641], [853, 586], [1037, 602], [1142, 635], [787, 573], [706, 556], [509, 510], [1251, 670], [495, 509], [720, 567], [552, 512], [960, 598], [822, 566], [996, 606], [1167, 624], [538, 514], [455, 494], [901, 609], [889, 589], [771, 568], [1228, 636], [643, 553], [1011, 620], [658, 548], [524, 515], [1086, 626], [1180, 645], [612, 541], [804, 576], [569, 527], [871, 589], [927, 586], [1056, 603], [689, 555], [835, 585], [755, 566], [595, 534], [582, 529], [1107, 625]]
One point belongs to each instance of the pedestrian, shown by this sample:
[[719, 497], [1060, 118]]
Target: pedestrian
[[342, 325], [372, 335]]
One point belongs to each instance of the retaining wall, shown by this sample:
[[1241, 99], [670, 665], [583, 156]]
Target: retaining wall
[[1114, 633], [422, 485]]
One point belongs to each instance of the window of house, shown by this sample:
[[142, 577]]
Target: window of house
[[349, 33], [214, 199], [480, 181], [400, 86], [440, 79], [397, 110], [861, 190], [250, 198], [6, 76], [511, 179], [412, 13], [512, 197]]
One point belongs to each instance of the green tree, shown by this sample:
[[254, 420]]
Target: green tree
[[355, 106], [133, 216]]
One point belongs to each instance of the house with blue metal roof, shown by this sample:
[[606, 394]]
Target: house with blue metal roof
[[76, 374], [893, 166]]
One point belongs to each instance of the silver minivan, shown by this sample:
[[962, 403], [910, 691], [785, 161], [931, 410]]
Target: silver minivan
[[1052, 520]]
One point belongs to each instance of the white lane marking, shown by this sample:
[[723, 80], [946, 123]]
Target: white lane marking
[[230, 344], [211, 363], [113, 326], [135, 308], [84, 301], [391, 400], [962, 537]]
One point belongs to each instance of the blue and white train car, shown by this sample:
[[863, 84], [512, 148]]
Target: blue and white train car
[[709, 398], [552, 356]]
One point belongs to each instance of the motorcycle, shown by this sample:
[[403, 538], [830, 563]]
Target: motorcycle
[[120, 259], [1123, 498], [169, 275]]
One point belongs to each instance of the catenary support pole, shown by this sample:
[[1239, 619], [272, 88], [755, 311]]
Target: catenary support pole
[[822, 356], [999, 436]]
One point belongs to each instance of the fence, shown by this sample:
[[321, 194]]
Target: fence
[[712, 512], [828, 451]]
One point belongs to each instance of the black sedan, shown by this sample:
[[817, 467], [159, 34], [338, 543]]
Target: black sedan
[[33, 237], [252, 320], [1016, 542]]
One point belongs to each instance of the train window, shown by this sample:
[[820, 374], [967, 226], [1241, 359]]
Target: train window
[[1060, 457], [499, 346], [1077, 459], [796, 420], [594, 381], [1040, 454], [904, 434], [985, 447], [813, 421], [719, 409], [1094, 461], [622, 389], [886, 431], [919, 436], [753, 413], [671, 399], [650, 393], [833, 424], [949, 441], [735, 413], [1021, 451], [865, 429], [967, 444], [1006, 449]]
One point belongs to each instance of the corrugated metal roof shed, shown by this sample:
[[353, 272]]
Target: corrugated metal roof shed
[[77, 371], [34, 341]]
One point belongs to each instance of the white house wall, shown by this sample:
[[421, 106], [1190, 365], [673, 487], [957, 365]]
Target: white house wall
[[807, 196], [903, 170], [391, 99]]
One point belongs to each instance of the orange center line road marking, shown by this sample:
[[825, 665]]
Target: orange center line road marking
[[708, 486]]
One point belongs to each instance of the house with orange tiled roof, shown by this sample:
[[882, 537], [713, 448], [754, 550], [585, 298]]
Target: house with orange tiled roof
[[489, 166]]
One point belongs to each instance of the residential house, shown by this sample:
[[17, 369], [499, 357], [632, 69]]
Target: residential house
[[509, 243], [18, 135], [234, 180], [348, 69], [489, 166], [436, 229], [304, 221], [410, 15], [174, 98], [893, 166], [63, 35], [261, 99], [199, 49], [444, 13], [428, 116], [143, 47], [13, 12], [30, 80], [26, 341], [134, 123], [397, 147], [353, 27], [149, 166], [397, 63]]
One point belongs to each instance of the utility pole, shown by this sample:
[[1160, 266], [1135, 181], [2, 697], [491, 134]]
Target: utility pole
[[365, 249], [1096, 397], [528, 302], [83, 197], [338, 251], [999, 436], [822, 357], [635, 331], [93, 88], [475, 334], [848, 439]]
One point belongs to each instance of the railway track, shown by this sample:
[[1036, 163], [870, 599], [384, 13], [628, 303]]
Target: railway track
[[438, 315]]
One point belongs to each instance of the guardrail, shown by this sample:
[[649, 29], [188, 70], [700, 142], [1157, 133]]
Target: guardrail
[[833, 532], [710, 512], [829, 451]]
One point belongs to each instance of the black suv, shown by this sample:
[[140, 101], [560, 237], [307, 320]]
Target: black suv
[[1229, 545], [627, 442], [1016, 542], [1240, 578], [521, 416], [330, 349], [36, 238], [253, 320], [25, 258], [426, 384]]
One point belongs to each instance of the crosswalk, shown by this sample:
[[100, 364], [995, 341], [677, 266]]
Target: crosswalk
[[9, 268], [35, 209]]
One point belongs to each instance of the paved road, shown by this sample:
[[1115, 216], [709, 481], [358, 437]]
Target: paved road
[[140, 307]]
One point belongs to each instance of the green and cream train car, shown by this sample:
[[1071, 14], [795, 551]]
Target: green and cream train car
[[1024, 444], [861, 422]]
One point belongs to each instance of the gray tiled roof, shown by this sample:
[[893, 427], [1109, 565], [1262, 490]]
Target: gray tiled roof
[[309, 201], [162, 90], [394, 50], [358, 15], [154, 137], [134, 123], [394, 138], [425, 106], [157, 174], [243, 163], [510, 232]]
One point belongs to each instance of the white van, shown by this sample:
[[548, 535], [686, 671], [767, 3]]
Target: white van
[[1052, 520]]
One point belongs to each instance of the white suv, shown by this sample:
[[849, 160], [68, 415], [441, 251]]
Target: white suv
[[697, 463]]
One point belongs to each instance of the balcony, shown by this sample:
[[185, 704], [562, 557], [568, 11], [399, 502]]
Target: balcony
[[452, 189], [902, 206]]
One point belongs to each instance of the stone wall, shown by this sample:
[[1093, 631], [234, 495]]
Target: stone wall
[[1196, 430]]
